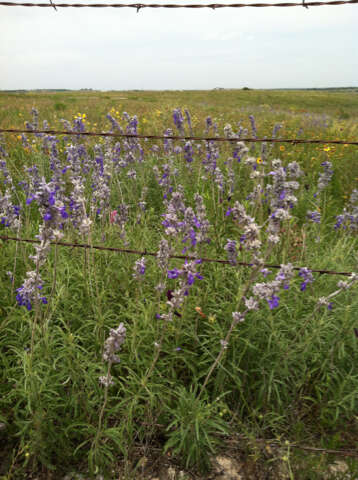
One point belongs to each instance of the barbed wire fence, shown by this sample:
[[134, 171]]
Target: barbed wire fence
[[179, 137], [174, 256], [171, 137], [213, 6]]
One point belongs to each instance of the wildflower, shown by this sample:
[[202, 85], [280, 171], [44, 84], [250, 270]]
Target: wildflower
[[9, 213], [251, 303], [163, 254], [265, 272], [253, 125], [84, 227], [113, 344], [325, 177], [349, 217], [281, 194], [172, 274], [273, 301], [139, 268], [178, 120], [112, 216], [307, 277], [238, 317], [250, 238], [188, 149], [106, 381], [323, 301], [29, 292], [314, 216], [230, 247], [268, 291]]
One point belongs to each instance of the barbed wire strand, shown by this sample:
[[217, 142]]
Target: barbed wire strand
[[154, 254], [213, 6], [178, 137]]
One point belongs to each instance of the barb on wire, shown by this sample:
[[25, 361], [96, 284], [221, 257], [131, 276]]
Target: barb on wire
[[213, 6], [176, 137], [154, 254]]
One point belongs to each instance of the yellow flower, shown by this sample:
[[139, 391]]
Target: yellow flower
[[327, 149], [212, 318], [19, 137], [282, 148], [259, 160]]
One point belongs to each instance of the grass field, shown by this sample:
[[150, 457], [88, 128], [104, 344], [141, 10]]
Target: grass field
[[213, 357]]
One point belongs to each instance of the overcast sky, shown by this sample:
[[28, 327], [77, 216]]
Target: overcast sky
[[120, 49]]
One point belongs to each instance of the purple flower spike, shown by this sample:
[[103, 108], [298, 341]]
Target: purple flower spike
[[273, 301], [173, 273], [139, 268], [307, 277]]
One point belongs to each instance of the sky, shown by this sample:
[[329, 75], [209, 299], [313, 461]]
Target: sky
[[156, 49]]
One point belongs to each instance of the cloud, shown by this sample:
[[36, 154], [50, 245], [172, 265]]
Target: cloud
[[108, 48]]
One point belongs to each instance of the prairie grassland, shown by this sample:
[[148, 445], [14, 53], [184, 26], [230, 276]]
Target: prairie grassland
[[209, 352]]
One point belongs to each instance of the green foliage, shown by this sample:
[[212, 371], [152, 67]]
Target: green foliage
[[194, 429], [59, 106]]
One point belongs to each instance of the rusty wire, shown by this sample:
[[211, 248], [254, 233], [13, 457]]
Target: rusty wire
[[177, 137], [213, 6], [154, 254]]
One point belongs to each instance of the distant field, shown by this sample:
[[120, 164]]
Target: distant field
[[213, 356], [232, 104]]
